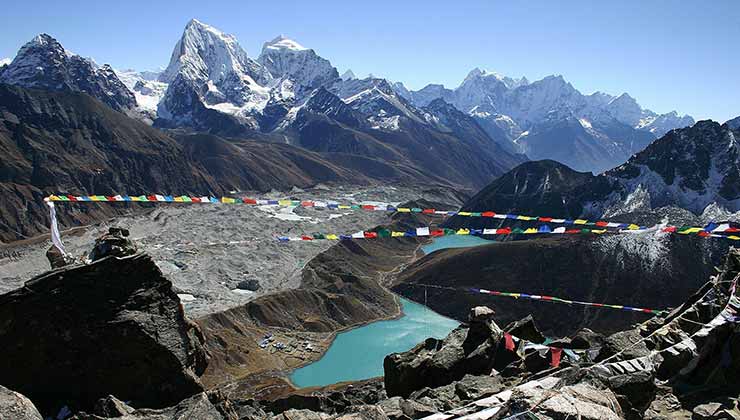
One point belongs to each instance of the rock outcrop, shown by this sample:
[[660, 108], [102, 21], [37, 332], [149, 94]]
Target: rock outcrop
[[14, 406], [202, 406], [476, 349], [115, 326]]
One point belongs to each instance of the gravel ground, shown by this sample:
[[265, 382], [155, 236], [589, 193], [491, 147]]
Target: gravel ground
[[213, 253]]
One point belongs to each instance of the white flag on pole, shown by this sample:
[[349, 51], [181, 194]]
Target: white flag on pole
[[56, 238]]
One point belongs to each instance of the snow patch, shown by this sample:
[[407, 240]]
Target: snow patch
[[283, 43], [186, 297]]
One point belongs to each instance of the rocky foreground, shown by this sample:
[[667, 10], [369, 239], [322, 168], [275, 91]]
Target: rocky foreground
[[110, 339]]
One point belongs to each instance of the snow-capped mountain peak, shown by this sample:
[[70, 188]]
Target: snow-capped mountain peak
[[5, 61], [45, 64], [734, 123], [283, 43], [286, 58], [348, 75], [478, 73], [210, 67], [205, 53]]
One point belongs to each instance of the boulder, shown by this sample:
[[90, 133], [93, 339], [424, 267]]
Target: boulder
[[334, 400], [300, 415], [202, 406], [629, 342], [113, 327], [586, 339], [14, 406], [581, 401], [55, 257], [249, 284], [526, 329], [363, 412], [708, 411], [111, 406], [635, 392]]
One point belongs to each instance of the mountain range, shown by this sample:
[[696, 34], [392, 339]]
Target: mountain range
[[212, 85], [550, 119], [224, 121], [695, 169]]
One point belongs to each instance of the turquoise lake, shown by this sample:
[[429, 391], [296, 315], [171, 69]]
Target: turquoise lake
[[454, 241], [358, 354]]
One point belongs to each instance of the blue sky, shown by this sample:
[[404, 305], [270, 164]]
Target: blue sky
[[669, 55]]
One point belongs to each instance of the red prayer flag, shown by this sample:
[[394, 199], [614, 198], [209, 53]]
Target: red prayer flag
[[602, 224], [371, 235], [306, 238], [71, 198], [704, 233], [151, 198], [195, 199], [555, 352], [368, 207], [249, 200], [509, 341], [670, 229], [428, 211], [488, 214], [307, 203], [505, 231], [545, 219], [573, 231], [438, 232]]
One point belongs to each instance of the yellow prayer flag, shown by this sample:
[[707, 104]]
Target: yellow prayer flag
[[580, 222], [396, 234]]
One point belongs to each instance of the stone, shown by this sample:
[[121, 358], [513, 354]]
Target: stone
[[392, 408], [114, 243], [480, 314], [14, 406], [363, 412], [111, 406], [300, 415], [472, 387], [586, 339], [113, 327], [55, 257], [635, 392], [525, 329], [576, 401], [202, 406], [249, 284], [629, 342], [708, 411]]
